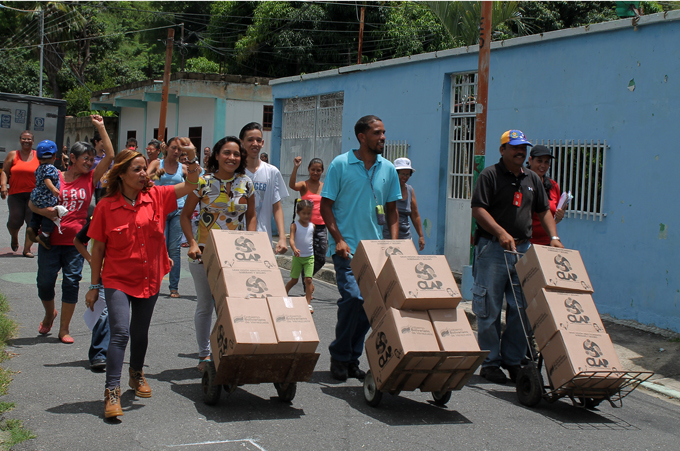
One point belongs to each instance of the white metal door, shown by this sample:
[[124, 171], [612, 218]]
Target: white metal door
[[460, 166]]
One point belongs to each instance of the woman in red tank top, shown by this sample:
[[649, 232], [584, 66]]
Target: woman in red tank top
[[19, 170], [77, 188], [310, 189]]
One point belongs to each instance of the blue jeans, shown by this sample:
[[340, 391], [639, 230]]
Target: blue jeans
[[173, 238], [490, 285], [50, 262], [352, 326], [100, 338]]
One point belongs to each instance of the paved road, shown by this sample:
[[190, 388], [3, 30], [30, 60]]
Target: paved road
[[61, 400]]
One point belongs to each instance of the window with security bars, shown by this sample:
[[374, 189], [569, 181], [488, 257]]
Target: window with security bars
[[395, 149], [579, 167], [462, 135]]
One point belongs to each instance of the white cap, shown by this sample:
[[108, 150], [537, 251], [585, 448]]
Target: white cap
[[403, 163]]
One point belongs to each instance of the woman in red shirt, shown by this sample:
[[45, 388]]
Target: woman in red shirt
[[310, 189], [76, 190], [19, 171], [127, 231], [539, 162]]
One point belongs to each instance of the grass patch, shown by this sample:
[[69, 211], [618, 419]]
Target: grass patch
[[12, 431], [675, 340]]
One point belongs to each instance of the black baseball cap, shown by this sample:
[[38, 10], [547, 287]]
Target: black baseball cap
[[540, 151]]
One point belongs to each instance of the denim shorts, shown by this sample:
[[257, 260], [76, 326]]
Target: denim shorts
[[66, 259]]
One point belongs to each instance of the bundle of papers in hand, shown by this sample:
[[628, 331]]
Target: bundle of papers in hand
[[564, 199]]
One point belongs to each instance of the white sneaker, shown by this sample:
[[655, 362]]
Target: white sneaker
[[311, 309]]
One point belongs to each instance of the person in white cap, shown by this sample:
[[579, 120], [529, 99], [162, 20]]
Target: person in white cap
[[407, 207]]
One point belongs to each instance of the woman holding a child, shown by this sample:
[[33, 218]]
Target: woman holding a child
[[76, 190]]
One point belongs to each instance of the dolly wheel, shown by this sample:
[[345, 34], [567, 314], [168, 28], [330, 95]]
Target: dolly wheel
[[286, 391], [441, 398], [211, 392], [371, 392], [529, 385]]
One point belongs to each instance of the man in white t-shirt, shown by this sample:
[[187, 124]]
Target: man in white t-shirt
[[269, 185]]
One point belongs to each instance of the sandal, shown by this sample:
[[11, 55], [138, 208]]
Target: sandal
[[67, 339], [44, 330], [174, 293], [29, 255], [15, 244], [202, 362]]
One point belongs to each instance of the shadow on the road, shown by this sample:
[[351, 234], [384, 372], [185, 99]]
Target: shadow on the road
[[562, 412], [324, 377], [75, 364], [31, 341], [193, 356], [96, 408], [182, 374], [241, 405], [396, 410]]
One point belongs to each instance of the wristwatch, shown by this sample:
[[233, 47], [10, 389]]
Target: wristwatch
[[555, 238], [195, 160]]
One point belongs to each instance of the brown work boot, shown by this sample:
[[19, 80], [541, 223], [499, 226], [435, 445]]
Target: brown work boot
[[112, 407], [138, 383]]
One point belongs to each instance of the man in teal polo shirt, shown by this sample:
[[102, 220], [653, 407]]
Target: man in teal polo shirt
[[358, 183]]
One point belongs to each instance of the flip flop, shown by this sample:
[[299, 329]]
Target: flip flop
[[202, 362], [29, 255], [15, 245], [44, 330], [174, 293]]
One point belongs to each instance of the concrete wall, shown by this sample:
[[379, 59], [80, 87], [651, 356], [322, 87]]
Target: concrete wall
[[133, 119], [571, 84]]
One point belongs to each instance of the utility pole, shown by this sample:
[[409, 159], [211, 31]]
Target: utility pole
[[361, 33], [42, 48], [166, 83], [182, 51], [482, 98]]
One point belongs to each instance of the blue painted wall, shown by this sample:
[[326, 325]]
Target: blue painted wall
[[568, 88]]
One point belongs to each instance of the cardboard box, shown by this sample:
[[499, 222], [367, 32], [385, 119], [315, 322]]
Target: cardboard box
[[420, 282], [551, 311], [248, 283], [454, 333], [370, 257], [569, 353], [293, 324], [244, 327], [374, 304], [552, 267], [229, 249], [394, 337]]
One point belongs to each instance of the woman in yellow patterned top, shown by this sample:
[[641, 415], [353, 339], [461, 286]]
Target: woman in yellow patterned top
[[226, 202]]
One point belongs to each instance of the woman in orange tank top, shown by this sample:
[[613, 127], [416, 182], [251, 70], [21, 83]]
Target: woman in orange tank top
[[310, 189], [19, 171]]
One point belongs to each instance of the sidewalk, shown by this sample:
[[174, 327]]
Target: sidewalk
[[638, 346]]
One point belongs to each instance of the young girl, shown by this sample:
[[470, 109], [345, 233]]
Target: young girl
[[302, 244]]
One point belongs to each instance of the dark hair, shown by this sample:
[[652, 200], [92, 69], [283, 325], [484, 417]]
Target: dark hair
[[80, 148], [248, 127], [95, 138], [364, 124], [314, 161], [156, 143], [26, 132], [114, 184], [213, 166], [300, 205], [131, 141]]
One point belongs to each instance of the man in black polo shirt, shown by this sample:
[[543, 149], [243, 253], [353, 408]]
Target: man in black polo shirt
[[504, 199]]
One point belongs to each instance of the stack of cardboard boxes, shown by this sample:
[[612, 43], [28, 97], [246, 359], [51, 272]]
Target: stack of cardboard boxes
[[411, 302], [566, 325], [254, 313]]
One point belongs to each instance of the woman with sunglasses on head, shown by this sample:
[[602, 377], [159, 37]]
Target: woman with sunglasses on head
[[127, 232]]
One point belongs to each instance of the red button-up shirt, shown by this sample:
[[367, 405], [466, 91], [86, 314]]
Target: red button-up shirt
[[135, 259]]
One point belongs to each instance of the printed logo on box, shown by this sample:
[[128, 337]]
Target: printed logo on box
[[256, 285], [564, 268], [223, 344], [575, 311], [391, 250], [238, 319], [594, 352], [385, 351], [427, 275], [246, 250]]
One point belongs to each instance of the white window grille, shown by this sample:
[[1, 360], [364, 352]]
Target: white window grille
[[395, 149], [462, 135], [579, 167]]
